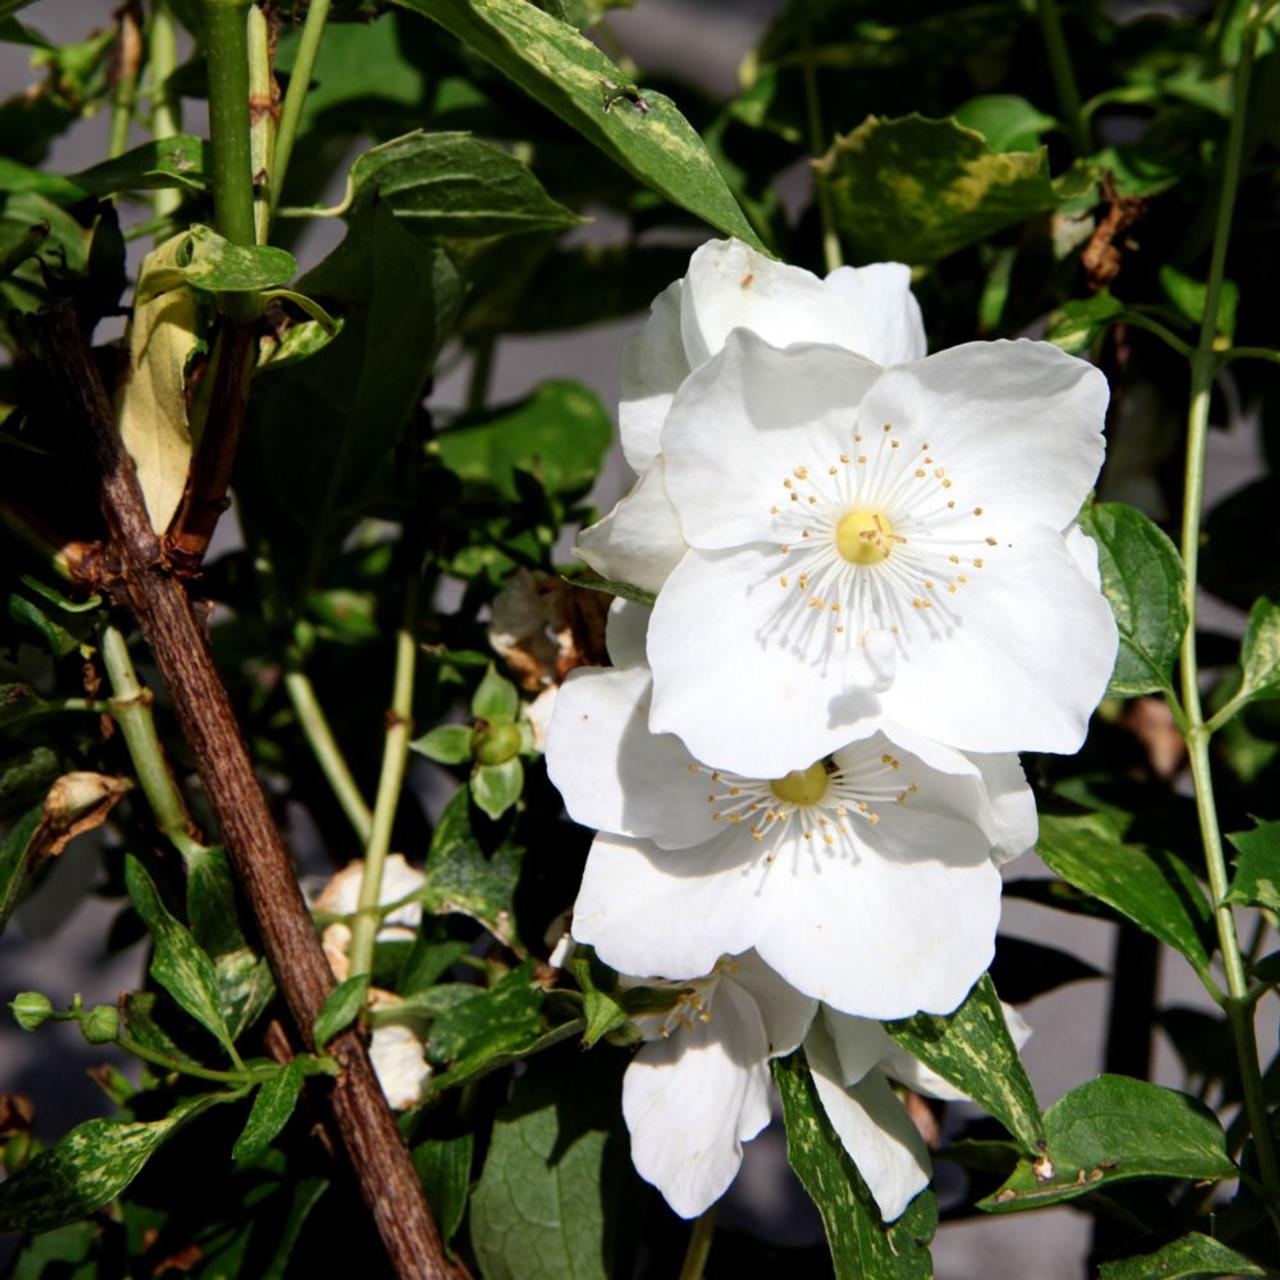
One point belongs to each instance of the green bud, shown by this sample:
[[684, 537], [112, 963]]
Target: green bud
[[496, 741], [30, 1008], [101, 1024]]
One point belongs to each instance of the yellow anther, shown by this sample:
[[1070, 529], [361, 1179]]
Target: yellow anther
[[977, 564], [991, 542], [801, 473], [783, 580], [864, 537]]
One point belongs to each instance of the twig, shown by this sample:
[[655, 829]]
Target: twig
[[142, 578]]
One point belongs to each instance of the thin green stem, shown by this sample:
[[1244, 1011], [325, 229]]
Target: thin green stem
[[245, 1076], [166, 110], [1064, 77], [481, 374], [1167, 335], [262, 126], [226, 43], [1203, 365], [1249, 353], [130, 706], [299, 80], [395, 755], [124, 89], [699, 1248], [817, 147], [1226, 712], [333, 764]]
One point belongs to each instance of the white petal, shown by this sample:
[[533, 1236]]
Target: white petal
[[909, 926], [1013, 806], [672, 913], [786, 1012], [874, 1128], [401, 1067], [1022, 662], [860, 1044], [746, 686], [891, 328], [690, 1101], [613, 774], [744, 422], [1084, 551], [639, 541], [341, 895], [731, 286], [653, 366], [1017, 425], [625, 630]]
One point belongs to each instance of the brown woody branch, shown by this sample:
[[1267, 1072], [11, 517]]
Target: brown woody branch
[[142, 577]]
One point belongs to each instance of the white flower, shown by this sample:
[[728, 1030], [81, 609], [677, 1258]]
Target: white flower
[[700, 1088], [877, 546], [868, 881], [729, 286], [852, 1061]]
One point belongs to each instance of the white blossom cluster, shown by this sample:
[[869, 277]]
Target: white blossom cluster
[[870, 594]]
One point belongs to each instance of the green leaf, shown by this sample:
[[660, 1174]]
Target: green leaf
[[272, 1106], [445, 744], [560, 433], [495, 697], [640, 129], [341, 1008], [201, 258], [508, 1013], [321, 433], [862, 1246], [1194, 1257], [496, 787], [453, 185], [1006, 121], [179, 161], [87, 1167], [1152, 888], [1257, 879], [444, 1168], [1260, 652], [916, 190], [464, 877], [245, 988], [973, 1050], [1076, 325], [1190, 297], [1116, 1129], [178, 964], [16, 861], [1143, 580], [304, 1197], [211, 902], [625, 590], [557, 1179]]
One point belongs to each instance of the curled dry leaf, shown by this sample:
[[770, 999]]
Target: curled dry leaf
[[76, 803], [544, 627]]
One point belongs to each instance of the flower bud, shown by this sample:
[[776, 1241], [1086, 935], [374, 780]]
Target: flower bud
[[495, 741], [101, 1024], [30, 1009]]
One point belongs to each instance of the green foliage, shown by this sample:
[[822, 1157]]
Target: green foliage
[[202, 259], [444, 1165], [1257, 878], [1152, 888], [1111, 1130], [972, 1049], [861, 1244], [1144, 583], [454, 186], [273, 1104], [638, 128], [341, 1008], [1260, 652], [919, 190], [557, 1179], [1194, 1257]]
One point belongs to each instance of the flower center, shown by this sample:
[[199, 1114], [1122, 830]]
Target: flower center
[[802, 786], [865, 536]]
